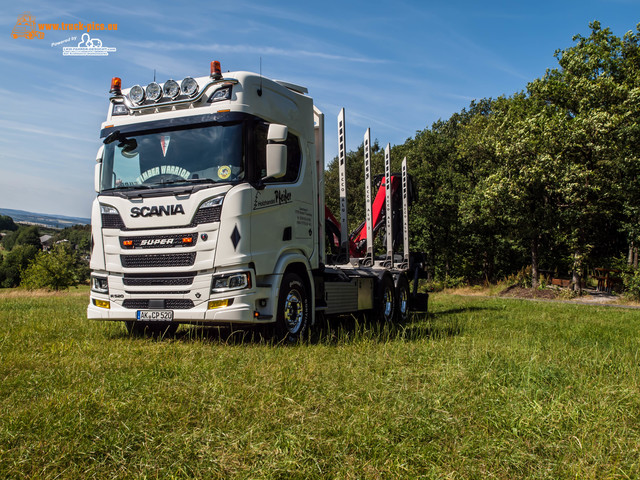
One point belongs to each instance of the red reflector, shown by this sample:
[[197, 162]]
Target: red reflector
[[116, 85]]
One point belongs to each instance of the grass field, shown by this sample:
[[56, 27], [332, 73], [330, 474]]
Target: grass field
[[483, 388]]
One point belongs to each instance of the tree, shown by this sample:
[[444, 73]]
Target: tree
[[14, 263], [7, 223], [55, 269]]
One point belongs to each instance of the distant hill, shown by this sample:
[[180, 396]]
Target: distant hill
[[51, 221]]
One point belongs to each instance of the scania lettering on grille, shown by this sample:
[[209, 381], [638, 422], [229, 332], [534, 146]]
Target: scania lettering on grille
[[156, 211]]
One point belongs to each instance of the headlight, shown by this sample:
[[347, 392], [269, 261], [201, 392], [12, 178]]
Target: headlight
[[221, 95], [232, 281], [171, 89], [108, 210], [136, 94], [99, 284], [119, 109], [154, 92], [189, 86], [213, 202]]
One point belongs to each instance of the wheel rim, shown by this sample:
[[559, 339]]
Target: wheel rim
[[293, 311], [404, 304], [388, 303]]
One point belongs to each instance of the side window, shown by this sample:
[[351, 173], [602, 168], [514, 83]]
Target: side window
[[293, 155]]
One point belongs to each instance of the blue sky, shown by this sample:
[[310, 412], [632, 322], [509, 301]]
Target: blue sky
[[395, 66]]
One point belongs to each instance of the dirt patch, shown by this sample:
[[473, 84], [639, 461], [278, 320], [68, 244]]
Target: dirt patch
[[519, 292], [562, 294]]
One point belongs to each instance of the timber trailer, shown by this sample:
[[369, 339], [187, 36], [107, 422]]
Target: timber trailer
[[210, 210]]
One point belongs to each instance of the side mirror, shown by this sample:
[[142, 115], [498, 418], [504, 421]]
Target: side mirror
[[277, 133], [98, 169], [276, 160], [276, 153]]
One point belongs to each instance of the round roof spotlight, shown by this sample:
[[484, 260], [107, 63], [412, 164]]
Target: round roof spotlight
[[171, 89], [136, 94], [154, 92], [189, 87]]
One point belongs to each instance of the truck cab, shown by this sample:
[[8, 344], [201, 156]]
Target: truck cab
[[207, 195]]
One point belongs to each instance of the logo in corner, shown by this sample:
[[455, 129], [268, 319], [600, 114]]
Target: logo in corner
[[88, 47], [26, 27]]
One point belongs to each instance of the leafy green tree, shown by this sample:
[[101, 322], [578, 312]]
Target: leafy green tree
[[14, 263], [55, 269]]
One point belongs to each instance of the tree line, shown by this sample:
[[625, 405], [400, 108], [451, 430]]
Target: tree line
[[547, 178], [25, 261]]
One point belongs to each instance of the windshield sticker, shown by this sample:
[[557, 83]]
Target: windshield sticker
[[164, 142], [164, 170], [224, 172]]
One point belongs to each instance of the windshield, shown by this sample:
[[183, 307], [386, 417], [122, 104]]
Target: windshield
[[212, 154]]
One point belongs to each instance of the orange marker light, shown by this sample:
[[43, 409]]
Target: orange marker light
[[116, 85], [187, 240], [127, 243], [216, 70]]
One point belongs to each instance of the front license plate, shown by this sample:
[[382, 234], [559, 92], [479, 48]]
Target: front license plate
[[155, 315]]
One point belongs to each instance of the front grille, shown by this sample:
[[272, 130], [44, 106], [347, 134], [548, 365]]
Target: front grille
[[203, 215], [207, 215], [147, 280], [160, 260], [170, 303], [174, 292], [159, 241], [110, 220]]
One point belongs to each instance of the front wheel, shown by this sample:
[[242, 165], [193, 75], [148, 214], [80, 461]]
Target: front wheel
[[294, 310]]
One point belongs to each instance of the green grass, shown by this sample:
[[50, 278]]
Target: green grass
[[483, 388]]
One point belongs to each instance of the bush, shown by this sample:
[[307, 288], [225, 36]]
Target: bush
[[631, 281], [55, 269]]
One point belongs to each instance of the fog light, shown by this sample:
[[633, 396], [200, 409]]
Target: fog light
[[136, 94], [101, 303], [154, 92], [189, 86], [220, 303], [171, 89]]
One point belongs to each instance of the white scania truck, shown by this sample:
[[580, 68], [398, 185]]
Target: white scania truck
[[210, 210]]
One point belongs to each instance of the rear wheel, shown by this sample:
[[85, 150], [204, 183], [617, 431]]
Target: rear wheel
[[385, 299], [402, 297], [294, 309]]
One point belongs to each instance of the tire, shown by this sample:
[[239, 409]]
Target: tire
[[402, 298], [153, 329], [385, 303], [294, 309]]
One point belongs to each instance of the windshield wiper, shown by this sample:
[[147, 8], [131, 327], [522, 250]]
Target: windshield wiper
[[128, 187], [188, 180]]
